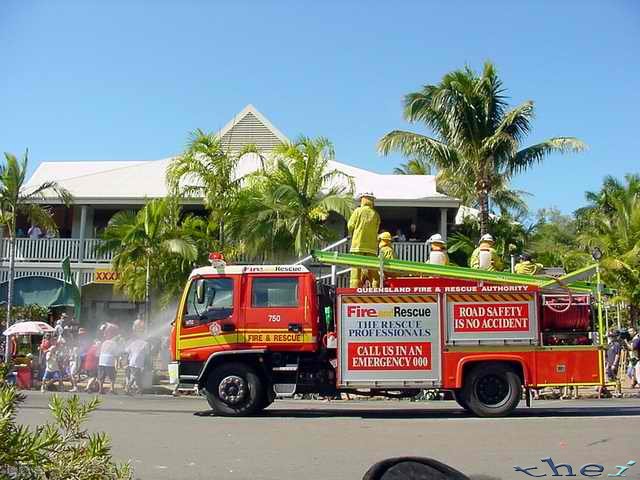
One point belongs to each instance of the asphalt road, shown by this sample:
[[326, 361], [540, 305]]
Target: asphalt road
[[177, 438]]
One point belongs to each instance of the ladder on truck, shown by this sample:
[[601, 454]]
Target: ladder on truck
[[574, 281]]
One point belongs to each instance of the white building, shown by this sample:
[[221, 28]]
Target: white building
[[102, 188]]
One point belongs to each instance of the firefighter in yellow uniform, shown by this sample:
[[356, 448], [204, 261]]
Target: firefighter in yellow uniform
[[438, 252], [485, 256], [526, 266], [386, 252], [363, 229], [385, 247]]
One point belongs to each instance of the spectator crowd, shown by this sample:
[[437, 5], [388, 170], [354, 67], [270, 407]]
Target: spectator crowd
[[71, 356]]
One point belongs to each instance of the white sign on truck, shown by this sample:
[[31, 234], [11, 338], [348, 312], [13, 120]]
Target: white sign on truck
[[388, 341]]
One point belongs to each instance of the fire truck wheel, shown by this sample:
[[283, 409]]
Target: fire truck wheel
[[457, 395], [234, 390], [492, 390]]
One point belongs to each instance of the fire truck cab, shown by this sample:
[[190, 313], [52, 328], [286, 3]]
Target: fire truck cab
[[244, 335]]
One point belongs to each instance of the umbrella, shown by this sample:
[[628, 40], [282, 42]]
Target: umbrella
[[29, 328]]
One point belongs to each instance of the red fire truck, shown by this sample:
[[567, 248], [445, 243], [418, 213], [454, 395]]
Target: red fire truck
[[245, 335]]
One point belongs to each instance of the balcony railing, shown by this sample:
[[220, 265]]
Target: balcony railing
[[55, 250], [412, 251]]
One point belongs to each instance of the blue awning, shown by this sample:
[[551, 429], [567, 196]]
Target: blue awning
[[45, 291]]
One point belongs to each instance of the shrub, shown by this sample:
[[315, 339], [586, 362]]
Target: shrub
[[55, 451]]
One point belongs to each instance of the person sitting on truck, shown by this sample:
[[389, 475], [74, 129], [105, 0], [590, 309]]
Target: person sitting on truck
[[385, 248], [363, 229], [526, 266], [437, 250], [485, 256], [386, 252]]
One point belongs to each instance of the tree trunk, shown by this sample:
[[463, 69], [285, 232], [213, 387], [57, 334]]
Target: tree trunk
[[147, 297], [634, 315], [12, 272], [221, 235], [483, 200]]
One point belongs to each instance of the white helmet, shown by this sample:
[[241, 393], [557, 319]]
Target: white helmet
[[436, 238], [487, 238], [366, 195]]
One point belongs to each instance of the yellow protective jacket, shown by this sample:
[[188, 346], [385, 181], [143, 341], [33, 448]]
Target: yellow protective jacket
[[496, 261], [363, 228], [386, 251], [528, 268]]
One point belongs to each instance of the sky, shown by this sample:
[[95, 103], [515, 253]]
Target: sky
[[128, 80]]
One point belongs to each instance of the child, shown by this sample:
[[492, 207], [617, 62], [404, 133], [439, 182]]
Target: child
[[52, 369]]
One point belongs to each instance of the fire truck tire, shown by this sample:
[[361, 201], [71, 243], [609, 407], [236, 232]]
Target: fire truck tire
[[235, 390], [492, 390], [457, 395]]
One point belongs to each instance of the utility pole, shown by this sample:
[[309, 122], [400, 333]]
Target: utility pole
[[12, 268]]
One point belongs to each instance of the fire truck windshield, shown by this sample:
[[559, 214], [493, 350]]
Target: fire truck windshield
[[217, 301]]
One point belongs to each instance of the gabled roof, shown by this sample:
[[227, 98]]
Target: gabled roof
[[131, 182], [250, 127]]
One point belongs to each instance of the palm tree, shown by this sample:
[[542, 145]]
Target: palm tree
[[207, 171], [477, 140], [285, 206], [149, 249], [16, 200], [554, 241], [602, 201], [416, 166], [503, 200], [614, 227]]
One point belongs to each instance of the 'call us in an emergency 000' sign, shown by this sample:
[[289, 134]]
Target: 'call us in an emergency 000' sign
[[384, 340]]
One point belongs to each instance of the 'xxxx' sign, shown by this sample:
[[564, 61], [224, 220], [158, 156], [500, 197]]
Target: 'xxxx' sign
[[103, 275]]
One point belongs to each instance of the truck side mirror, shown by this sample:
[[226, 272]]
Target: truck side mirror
[[200, 291]]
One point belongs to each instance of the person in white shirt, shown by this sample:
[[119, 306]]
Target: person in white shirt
[[74, 367], [107, 361], [137, 351], [52, 369], [34, 232]]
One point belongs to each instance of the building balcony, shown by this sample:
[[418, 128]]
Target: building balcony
[[84, 251], [47, 250]]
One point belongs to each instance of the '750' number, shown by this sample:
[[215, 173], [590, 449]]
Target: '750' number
[[274, 318]]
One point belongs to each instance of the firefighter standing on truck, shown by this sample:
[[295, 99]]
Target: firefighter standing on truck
[[485, 256], [363, 229], [526, 266], [437, 250]]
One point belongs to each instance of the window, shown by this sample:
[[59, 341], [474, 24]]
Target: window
[[274, 292], [217, 304]]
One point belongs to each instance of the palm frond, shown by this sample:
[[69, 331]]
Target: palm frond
[[529, 156], [416, 166], [409, 144]]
